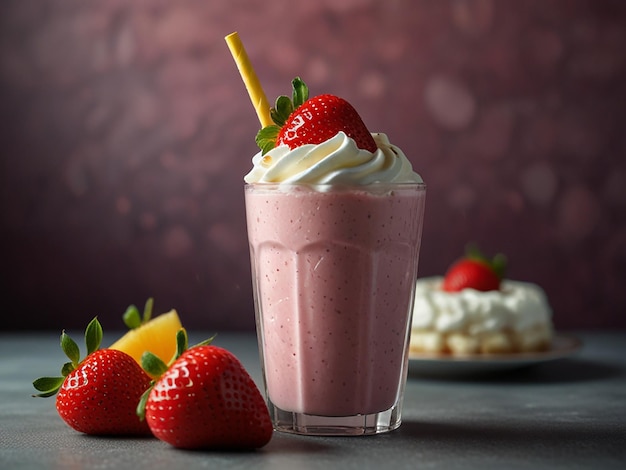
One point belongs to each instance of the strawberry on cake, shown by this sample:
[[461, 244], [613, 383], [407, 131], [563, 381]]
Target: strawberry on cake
[[473, 310]]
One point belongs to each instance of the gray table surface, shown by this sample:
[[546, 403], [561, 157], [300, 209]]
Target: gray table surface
[[568, 413]]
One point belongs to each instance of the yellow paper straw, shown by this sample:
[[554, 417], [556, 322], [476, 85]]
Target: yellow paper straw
[[250, 79]]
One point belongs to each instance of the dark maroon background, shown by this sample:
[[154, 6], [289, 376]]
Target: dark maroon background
[[125, 131]]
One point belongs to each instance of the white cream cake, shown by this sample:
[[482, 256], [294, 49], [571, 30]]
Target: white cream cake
[[515, 319]]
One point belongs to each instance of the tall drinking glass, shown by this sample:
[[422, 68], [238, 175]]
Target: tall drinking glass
[[333, 271]]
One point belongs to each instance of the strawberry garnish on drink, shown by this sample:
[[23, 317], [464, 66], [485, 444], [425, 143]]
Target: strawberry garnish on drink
[[302, 120], [204, 400], [297, 120], [97, 395], [475, 271]]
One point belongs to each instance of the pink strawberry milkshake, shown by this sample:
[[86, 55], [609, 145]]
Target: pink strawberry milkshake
[[335, 271], [334, 265]]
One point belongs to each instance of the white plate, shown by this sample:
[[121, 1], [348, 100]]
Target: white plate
[[430, 364]]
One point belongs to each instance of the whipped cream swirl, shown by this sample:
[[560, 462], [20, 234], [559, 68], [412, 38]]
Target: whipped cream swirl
[[337, 161], [516, 306]]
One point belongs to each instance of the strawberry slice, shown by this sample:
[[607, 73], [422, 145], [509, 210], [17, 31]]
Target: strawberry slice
[[475, 271], [301, 121], [204, 400]]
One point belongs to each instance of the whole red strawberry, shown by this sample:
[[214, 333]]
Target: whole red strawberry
[[301, 121], [207, 400], [99, 394], [475, 271]]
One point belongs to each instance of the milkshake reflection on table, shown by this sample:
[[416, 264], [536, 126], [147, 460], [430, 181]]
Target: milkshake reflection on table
[[334, 235]]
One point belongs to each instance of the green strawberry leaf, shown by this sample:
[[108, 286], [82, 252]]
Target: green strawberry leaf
[[48, 386], [300, 92], [153, 364], [141, 406], [147, 310], [132, 317], [182, 342], [498, 263], [281, 110], [206, 342], [70, 348], [46, 394], [266, 138], [67, 368], [93, 335]]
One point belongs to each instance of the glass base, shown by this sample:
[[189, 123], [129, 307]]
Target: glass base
[[313, 425]]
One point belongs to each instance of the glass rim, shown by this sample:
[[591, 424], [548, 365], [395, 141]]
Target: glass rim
[[331, 186]]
